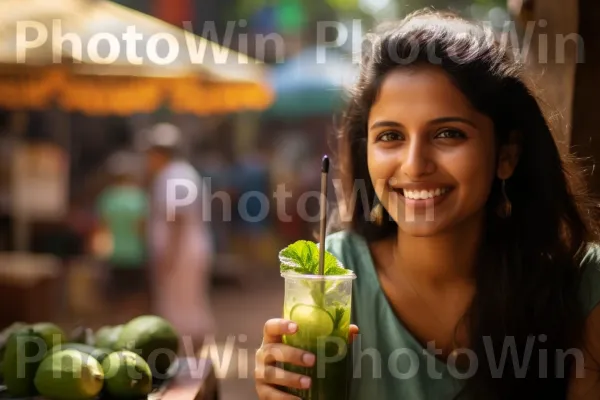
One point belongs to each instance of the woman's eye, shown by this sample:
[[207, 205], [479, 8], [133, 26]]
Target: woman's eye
[[389, 136], [451, 134]]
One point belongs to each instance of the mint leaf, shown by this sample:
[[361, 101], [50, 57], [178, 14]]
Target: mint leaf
[[302, 257], [299, 257], [339, 315], [332, 266]]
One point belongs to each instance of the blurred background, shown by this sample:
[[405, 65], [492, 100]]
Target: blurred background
[[246, 105]]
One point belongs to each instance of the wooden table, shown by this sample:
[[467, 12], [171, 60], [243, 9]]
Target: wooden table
[[195, 380]]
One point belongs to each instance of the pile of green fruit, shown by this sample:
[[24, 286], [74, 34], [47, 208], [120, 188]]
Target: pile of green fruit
[[120, 361]]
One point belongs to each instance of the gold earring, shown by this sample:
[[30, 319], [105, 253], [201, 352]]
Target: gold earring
[[377, 213], [505, 208]]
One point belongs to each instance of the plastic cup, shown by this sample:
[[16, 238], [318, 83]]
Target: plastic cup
[[321, 307]]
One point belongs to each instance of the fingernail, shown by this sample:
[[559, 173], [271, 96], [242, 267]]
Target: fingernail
[[292, 327], [308, 359], [305, 382]]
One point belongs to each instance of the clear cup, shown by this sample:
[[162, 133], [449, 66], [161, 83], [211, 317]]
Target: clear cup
[[321, 306]]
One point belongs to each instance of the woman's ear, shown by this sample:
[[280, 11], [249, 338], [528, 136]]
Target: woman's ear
[[508, 156]]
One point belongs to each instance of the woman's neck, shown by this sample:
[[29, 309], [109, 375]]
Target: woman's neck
[[448, 258]]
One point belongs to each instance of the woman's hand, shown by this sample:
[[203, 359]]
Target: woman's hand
[[267, 375]]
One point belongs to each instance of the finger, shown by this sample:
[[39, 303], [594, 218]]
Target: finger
[[266, 392], [280, 377], [271, 353], [275, 328], [352, 332]]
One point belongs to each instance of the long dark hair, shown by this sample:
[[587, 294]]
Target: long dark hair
[[527, 279]]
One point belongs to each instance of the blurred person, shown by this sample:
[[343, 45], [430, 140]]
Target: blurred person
[[251, 179], [122, 208], [290, 155], [476, 249], [181, 247], [212, 165]]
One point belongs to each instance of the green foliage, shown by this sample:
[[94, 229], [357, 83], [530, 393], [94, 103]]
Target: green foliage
[[303, 257]]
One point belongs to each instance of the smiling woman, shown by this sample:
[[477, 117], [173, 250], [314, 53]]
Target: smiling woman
[[482, 238], [479, 278], [432, 148]]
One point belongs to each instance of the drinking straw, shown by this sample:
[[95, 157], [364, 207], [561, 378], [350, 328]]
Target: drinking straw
[[324, 172]]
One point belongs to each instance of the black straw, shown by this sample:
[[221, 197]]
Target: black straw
[[324, 172]]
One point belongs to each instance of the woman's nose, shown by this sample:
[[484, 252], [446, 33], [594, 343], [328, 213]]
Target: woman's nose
[[417, 161]]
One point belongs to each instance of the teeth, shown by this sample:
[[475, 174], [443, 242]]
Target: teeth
[[424, 194]]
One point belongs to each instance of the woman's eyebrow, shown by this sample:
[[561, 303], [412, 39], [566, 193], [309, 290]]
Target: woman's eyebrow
[[394, 124], [386, 124], [453, 119]]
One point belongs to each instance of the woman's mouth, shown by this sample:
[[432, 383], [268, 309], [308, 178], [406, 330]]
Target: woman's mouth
[[422, 199], [423, 194]]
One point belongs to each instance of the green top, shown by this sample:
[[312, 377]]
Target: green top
[[403, 368], [122, 209]]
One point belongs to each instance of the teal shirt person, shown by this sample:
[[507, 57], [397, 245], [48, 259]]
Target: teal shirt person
[[122, 209], [388, 362]]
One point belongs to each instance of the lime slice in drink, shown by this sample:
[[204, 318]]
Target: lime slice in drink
[[313, 321]]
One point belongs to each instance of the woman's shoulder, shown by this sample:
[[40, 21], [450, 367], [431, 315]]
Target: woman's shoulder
[[348, 247], [590, 278]]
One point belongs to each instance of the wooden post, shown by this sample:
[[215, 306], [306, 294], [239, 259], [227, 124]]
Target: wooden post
[[547, 29], [585, 138], [563, 60]]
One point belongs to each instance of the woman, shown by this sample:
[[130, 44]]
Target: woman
[[476, 276]]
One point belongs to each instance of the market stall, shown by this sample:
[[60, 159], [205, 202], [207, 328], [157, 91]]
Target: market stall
[[77, 55]]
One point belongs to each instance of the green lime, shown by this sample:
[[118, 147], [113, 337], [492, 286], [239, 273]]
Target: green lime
[[126, 375], [107, 336], [25, 350], [312, 321], [6, 332], [51, 333], [98, 353], [69, 375], [154, 339], [4, 335]]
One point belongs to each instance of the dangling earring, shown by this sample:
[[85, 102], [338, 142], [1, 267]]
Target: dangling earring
[[505, 208], [377, 213]]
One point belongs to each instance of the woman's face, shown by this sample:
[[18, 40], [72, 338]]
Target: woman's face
[[431, 155]]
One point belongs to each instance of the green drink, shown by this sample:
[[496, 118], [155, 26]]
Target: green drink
[[321, 307]]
